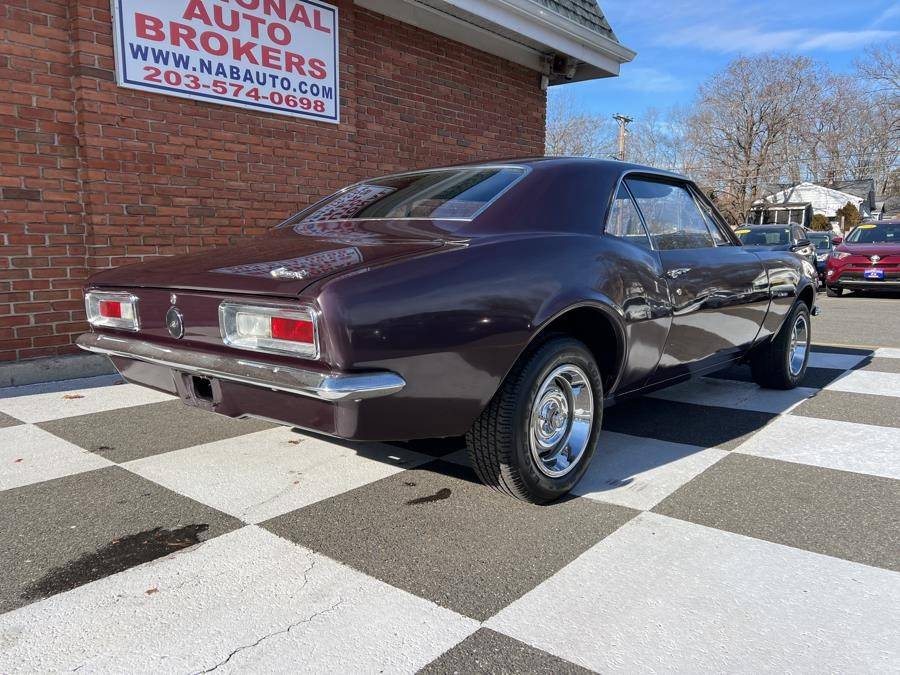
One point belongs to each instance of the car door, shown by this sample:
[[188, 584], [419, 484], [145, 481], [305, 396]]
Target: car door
[[638, 287], [719, 292]]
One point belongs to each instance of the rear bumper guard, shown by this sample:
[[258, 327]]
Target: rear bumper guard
[[321, 385]]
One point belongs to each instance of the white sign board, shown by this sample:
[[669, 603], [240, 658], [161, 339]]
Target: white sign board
[[274, 55]]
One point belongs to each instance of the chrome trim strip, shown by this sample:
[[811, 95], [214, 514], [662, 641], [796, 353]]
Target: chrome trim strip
[[325, 386]]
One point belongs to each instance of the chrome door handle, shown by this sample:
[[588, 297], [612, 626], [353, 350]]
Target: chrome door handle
[[674, 274]]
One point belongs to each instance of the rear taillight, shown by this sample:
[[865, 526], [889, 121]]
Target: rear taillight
[[269, 328], [112, 309]]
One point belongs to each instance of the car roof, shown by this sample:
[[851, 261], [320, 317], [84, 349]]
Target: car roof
[[549, 163]]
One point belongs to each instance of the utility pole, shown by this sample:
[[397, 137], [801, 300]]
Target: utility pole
[[623, 121]]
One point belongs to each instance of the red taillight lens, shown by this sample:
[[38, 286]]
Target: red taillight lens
[[110, 309], [278, 329], [292, 329]]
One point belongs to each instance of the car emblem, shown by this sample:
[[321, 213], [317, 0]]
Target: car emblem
[[285, 273], [175, 322], [875, 259]]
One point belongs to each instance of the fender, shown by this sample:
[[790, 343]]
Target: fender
[[575, 299]]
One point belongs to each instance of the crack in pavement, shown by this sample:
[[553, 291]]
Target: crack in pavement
[[282, 631]]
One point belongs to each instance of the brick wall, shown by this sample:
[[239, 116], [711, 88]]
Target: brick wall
[[93, 175]]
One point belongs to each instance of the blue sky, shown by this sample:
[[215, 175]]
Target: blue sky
[[681, 42]]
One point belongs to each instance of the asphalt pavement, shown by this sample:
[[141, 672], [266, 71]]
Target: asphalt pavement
[[721, 528], [861, 319]]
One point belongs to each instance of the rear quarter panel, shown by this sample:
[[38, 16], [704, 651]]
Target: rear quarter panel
[[454, 322]]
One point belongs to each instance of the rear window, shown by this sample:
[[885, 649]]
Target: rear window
[[764, 236], [442, 193], [822, 241]]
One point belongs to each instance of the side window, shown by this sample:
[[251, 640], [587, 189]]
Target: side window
[[713, 223], [671, 214], [625, 221]]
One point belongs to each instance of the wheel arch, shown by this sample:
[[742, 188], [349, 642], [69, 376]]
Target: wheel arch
[[808, 295], [599, 326]]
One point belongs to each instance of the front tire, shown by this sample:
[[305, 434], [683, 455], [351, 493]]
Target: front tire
[[782, 362], [833, 292], [536, 437]]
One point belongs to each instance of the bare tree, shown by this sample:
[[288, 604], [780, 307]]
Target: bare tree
[[572, 132], [762, 124], [745, 119], [880, 66]]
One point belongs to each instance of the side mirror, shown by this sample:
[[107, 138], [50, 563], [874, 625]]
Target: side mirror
[[802, 243], [837, 240]]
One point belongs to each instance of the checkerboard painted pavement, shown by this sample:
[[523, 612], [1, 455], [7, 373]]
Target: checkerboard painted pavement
[[722, 528]]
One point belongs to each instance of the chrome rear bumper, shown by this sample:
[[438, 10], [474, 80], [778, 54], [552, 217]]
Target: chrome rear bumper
[[326, 386]]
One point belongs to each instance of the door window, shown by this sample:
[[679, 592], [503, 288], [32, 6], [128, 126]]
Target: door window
[[714, 224], [671, 215], [625, 221]]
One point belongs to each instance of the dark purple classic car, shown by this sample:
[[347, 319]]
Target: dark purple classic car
[[507, 301]]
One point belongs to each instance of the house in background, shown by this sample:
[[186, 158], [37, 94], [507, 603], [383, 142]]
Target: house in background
[[864, 189], [887, 207], [800, 203]]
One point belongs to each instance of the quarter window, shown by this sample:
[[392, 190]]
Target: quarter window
[[671, 215], [625, 221]]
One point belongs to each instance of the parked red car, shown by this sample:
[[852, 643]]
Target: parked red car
[[868, 259], [506, 301]]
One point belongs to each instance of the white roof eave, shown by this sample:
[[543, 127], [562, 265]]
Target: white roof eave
[[528, 18]]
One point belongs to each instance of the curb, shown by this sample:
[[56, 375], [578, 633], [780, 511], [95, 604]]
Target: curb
[[53, 368]]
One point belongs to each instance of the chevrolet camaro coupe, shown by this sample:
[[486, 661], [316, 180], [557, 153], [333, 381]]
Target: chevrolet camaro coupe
[[509, 302]]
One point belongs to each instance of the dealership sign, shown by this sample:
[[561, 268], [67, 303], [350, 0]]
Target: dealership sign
[[274, 55]]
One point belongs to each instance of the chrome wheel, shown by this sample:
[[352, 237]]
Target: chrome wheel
[[799, 345], [561, 420]]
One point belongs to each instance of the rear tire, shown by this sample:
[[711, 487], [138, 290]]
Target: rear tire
[[833, 292], [529, 442], [782, 362]]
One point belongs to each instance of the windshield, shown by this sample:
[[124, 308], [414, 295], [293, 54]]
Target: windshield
[[875, 233], [764, 236], [444, 193], [822, 241]]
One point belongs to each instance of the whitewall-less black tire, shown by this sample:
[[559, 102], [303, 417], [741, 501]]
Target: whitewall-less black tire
[[781, 363], [537, 435]]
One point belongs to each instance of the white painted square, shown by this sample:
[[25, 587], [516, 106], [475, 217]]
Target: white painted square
[[265, 474], [247, 601], [734, 394], [640, 472], [836, 361], [846, 446], [887, 353], [31, 455], [58, 404], [664, 595], [868, 382]]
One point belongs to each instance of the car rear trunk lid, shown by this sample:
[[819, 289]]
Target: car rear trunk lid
[[285, 261]]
